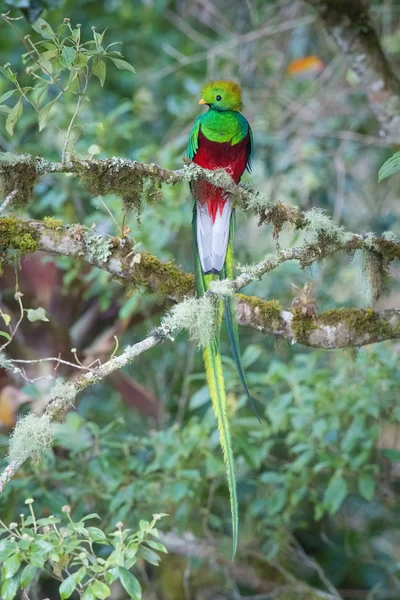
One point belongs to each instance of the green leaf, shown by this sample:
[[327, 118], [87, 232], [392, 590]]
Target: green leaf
[[100, 70], [6, 335], [9, 588], [97, 535], [366, 486], [44, 115], [36, 314], [149, 556], [122, 64], [392, 454], [390, 167], [335, 493], [13, 116], [7, 95], [88, 594], [8, 74], [276, 500], [11, 566], [4, 109], [27, 575], [116, 558], [42, 546], [156, 546], [67, 587], [90, 516], [42, 27], [100, 590], [68, 56], [37, 559], [130, 583]]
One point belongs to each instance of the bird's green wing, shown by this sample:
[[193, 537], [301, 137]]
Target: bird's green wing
[[193, 142], [250, 151]]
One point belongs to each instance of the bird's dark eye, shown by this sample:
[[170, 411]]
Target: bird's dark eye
[[218, 98]]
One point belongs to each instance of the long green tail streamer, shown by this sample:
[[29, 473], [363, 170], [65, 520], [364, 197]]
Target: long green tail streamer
[[230, 317], [215, 380]]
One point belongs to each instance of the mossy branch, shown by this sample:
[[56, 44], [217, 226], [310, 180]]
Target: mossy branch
[[118, 257]]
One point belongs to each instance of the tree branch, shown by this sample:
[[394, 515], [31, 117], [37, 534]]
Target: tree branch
[[63, 394], [337, 328], [350, 25]]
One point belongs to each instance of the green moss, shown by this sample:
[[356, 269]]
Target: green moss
[[113, 176], [302, 325], [17, 172], [17, 235], [358, 320], [279, 215], [268, 313], [52, 223], [165, 277]]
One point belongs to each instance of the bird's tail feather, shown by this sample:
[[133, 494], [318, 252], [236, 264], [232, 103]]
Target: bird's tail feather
[[215, 380], [230, 317]]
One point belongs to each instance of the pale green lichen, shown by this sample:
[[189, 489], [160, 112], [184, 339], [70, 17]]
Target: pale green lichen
[[369, 240], [97, 247], [63, 390], [257, 201], [390, 236], [31, 438], [321, 230], [370, 275], [196, 315], [222, 288]]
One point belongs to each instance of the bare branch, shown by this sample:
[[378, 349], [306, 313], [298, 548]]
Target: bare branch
[[8, 200]]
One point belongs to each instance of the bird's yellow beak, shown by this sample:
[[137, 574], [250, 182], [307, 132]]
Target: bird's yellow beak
[[201, 101]]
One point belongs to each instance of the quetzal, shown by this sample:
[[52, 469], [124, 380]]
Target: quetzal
[[220, 138]]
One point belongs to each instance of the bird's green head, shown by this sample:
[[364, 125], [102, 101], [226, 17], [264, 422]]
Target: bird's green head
[[222, 95]]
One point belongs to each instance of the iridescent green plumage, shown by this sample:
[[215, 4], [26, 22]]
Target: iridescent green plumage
[[220, 138]]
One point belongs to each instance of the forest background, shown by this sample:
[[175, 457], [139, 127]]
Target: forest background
[[318, 479]]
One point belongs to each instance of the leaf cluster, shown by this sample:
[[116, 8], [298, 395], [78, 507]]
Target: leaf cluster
[[80, 556]]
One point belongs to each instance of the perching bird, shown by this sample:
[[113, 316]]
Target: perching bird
[[220, 138]]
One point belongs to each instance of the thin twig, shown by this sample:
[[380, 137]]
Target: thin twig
[[8, 200]]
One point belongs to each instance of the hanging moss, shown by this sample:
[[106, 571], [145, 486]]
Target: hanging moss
[[152, 191], [279, 215], [389, 249], [17, 172], [17, 235], [113, 176]]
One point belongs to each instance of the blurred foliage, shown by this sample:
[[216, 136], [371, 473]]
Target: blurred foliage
[[318, 480]]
